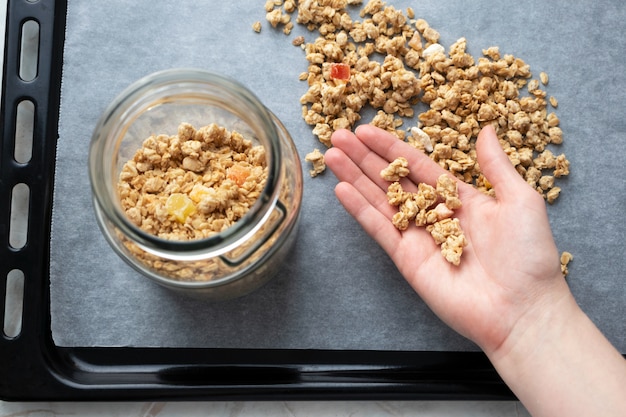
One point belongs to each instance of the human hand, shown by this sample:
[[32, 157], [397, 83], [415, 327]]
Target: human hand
[[510, 267]]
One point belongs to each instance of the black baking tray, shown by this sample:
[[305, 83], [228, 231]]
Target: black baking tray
[[33, 368]]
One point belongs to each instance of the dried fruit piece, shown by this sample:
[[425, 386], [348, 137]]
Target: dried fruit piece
[[180, 207], [238, 173], [199, 192], [339, 71]]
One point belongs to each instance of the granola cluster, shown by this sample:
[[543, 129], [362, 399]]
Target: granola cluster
[[432, 207], [333, 103], [566, 258], [280, 17], [390, 61], [464, 96], [317, 159], [193, 184], [397, 169]]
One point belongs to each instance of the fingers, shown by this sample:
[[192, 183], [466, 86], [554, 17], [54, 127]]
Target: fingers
[[369, 163], [362, 198], [363, 193], [347, 170], [497, 167], [388, 147], [374, 222]]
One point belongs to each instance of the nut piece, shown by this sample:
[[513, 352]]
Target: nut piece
[[420, 139], [317, 159], [433, 49]]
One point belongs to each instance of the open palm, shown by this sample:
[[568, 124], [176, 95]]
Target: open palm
[[510, 262]]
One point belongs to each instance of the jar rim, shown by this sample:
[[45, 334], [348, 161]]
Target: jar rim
[[144, 92]]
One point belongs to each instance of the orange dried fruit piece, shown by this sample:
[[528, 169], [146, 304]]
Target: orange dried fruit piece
[[339, 71], [239, 174], [180, 207]]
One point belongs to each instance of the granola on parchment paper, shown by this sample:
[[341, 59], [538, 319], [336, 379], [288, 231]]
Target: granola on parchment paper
[[397, 63]]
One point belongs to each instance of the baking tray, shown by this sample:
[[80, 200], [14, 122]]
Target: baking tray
[[33, 368]]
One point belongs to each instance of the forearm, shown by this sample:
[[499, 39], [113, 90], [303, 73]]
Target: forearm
[[560, 364]]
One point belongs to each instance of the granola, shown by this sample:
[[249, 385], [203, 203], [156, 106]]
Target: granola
[[432, 207], [317, 159], [397, 63], [397, 169], [566, 258], [463, 93], [192, 185]]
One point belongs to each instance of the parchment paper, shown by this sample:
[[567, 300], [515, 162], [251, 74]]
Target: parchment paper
[[338, 290]]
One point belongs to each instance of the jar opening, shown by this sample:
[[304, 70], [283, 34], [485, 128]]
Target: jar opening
[[158, 104]]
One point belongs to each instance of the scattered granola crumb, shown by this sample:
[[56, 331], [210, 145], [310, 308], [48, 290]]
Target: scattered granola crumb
[[317, 159], [544, 78], [554, 102], [298, 41], [553, 194], [256, 26], [566, 258], [276, 17]]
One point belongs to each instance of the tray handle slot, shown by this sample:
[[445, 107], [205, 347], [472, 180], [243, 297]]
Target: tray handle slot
[[29, 50], [24, 131], [13, 304]]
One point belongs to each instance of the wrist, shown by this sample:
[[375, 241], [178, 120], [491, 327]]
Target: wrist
[[557, 362], [553, 314], [543, 309]]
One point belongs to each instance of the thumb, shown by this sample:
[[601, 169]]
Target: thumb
[[496, 166]]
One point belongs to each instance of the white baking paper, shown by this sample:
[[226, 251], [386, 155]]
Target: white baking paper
[[338, 290]]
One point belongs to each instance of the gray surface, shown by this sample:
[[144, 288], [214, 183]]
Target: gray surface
[[339, 290]]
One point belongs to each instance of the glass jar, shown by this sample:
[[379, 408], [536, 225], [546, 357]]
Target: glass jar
[[231, 262]]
